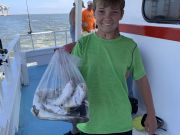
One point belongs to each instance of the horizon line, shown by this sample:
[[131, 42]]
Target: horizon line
[[34, 14]]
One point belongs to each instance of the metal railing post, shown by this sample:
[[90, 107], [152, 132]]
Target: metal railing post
[[32, 42]]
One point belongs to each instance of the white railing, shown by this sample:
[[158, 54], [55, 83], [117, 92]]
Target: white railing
[[10, 88], [44, 39], [38, 47]]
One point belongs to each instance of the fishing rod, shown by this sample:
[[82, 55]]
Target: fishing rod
[[29, 22]]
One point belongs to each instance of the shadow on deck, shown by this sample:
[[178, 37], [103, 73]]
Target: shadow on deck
[[29, 124]]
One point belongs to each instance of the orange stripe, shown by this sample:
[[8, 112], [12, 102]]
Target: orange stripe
[[152, 31]]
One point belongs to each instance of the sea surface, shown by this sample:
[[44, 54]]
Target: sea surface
[[19, 24]]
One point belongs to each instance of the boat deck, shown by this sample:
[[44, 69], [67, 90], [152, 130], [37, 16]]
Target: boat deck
[[29, 124]]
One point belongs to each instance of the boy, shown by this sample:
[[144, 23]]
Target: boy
[[107, 59]]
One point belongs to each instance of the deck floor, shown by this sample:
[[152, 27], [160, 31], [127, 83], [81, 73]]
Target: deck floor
[[29, 124]]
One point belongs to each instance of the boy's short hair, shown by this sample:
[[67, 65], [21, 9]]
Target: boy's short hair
[[106, 3]]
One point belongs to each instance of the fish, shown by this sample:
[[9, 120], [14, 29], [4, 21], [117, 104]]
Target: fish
[[54, 109], [66, 93], [77, 97]]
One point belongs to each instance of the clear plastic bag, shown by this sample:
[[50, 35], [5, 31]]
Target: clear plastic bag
[[61, 93]]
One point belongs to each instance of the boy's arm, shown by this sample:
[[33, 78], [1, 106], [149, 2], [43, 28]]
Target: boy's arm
[[145, 90]]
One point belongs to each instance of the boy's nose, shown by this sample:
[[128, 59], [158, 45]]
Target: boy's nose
[[107, 15]]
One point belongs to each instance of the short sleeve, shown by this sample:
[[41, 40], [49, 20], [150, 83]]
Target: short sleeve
[[137, 67], [77, 50]]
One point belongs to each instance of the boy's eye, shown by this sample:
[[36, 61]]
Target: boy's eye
[[115, 12]]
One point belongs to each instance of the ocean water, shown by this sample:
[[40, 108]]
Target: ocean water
[[18, 24]]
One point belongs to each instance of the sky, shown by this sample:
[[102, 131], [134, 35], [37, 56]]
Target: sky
[[39, 6]]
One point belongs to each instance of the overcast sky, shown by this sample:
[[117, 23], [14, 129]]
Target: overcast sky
[[38, 6]]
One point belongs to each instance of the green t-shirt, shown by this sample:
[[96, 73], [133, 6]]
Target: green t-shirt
[[104, 67]]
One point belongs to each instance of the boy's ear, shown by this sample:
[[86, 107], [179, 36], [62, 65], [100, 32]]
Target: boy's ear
[[122, 14]]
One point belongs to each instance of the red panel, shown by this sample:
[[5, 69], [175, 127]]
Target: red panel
[[152, 31]]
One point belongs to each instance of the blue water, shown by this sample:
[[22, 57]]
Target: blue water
[[18, 24]]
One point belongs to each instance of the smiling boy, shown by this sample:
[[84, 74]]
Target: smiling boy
[[107, 58]]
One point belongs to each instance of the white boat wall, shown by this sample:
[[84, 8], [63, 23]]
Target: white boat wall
[[160, 48], [10, 88]]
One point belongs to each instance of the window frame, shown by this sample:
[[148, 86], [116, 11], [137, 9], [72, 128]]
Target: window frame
[[165, 21]]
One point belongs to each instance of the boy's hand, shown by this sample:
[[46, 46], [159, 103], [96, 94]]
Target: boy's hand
[[150, 124]]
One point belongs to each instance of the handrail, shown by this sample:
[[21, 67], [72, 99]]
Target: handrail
[[35, 42], [44, 32]]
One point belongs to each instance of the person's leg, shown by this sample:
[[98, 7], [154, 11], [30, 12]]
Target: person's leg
[[74, 130], [81, 110]]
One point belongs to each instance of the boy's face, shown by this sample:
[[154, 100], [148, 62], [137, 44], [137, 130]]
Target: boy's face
[[107, 18]]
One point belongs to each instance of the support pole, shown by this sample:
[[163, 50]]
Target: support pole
[[78, 19]]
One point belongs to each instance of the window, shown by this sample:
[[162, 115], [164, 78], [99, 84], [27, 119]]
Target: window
[[161, 11]]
